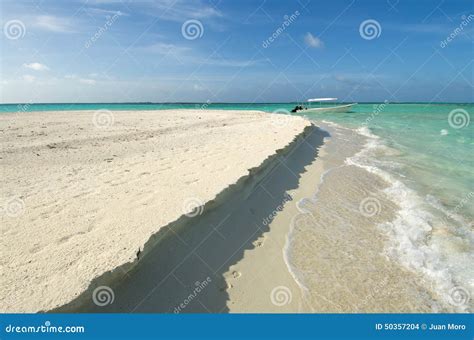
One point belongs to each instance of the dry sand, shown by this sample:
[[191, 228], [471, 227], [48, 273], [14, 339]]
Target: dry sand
[[83, 191]]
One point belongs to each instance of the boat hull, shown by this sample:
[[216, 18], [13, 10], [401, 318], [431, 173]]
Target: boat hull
[[334, 109]]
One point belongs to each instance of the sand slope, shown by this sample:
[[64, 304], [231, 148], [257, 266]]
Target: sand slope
[[83, 191]]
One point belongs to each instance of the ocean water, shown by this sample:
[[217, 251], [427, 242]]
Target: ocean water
[[424, 152], [423, 156]]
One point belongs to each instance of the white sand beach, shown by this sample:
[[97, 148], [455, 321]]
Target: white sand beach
[[83, 191]]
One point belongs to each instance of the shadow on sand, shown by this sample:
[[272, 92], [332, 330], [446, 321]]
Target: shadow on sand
[[183, 271]]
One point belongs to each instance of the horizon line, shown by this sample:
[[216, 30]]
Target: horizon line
[[242, 103]]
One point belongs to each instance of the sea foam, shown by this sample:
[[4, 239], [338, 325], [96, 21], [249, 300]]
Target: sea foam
[[410, 234]]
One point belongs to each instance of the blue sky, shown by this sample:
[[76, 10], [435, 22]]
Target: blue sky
[[129, 51]]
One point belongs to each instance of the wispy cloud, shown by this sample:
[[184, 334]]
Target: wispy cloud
[[87, 81], [82, 80], [420, 28], [29, 78], [184, 54], [231, 62], [180, 10], [36, 66], [166, 49], [312, 41], [54, 24], [103, 12]]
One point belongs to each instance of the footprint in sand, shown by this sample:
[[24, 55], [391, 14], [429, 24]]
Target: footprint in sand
[[259, 242], [226, 284]]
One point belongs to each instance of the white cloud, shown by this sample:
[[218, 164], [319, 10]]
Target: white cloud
[[103, 12], [36, 66], [87, 81], [29, 78], [165, 49], [197, 87], [180, 10], [54, 24], [313, 41], [185, 54], [82, 80]]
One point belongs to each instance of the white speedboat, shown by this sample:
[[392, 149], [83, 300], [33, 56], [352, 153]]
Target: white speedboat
[[323, 108]]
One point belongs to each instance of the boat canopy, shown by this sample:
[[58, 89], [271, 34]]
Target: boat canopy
[[321, 99]]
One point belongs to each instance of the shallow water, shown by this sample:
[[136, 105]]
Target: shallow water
[[365, 216]]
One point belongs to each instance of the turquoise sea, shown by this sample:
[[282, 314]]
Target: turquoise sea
[[425, 150]]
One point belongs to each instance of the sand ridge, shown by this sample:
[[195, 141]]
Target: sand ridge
[[83, 191]]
